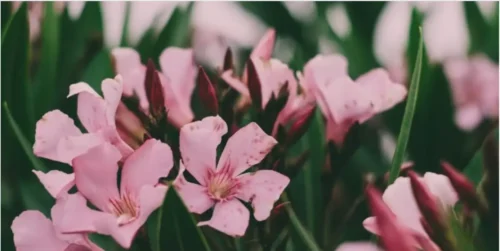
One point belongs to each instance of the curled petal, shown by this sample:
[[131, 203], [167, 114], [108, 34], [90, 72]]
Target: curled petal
[[247, 147], [230, 217], [146, 166], [198, 145], [262, 188], [91, 110], [56, 182]]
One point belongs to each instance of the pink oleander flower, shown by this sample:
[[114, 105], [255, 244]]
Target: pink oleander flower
[[344, 101], [177, 79], [273, 74], [401, 201], [223, 185], [33, 231], [474, 85], [57, 138], [121, 211], [358, 246]]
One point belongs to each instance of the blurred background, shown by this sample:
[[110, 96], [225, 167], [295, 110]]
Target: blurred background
[[69, 42]]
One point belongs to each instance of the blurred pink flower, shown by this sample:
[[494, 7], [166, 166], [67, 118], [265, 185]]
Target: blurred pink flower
[[358, 246], [121, 211], [33, 231], [57, 138], [401, 201], [474, 85], [177, 79], [222, 186], [344, 101]]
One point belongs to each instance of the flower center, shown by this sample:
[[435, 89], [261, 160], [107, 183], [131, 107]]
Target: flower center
[[222, 186], [77, 247], [125, 209]]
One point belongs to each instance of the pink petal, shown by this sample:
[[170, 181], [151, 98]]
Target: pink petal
[[370, 224], [198, 145], [384, 93], [150, 199], [92, 109], [230, 217], [56, 182], [112, 90], [273, 74], [178, 66], [96, 174], [129, 127], [264, 49], [358, 246], [322, 69], [440, 186], [128, 64], [194, 196], [235, 83], [32, 231], [179, 109], [247, 147], [262, 188], [337, 132], [468, 117], [57, 138], [146, 166]]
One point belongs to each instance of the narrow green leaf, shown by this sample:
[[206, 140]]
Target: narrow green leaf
[[46, 81], [404, 133], [175, 32], [25, 144], [15, 58], [99, 68], [477, 26], [172, 227], [301, 230]]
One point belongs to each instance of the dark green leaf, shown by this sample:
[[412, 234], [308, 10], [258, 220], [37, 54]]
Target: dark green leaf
[[46, 82], [478, 28], [172, 227], [6, 9]]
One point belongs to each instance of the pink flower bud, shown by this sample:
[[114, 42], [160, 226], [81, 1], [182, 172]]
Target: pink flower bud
[[464, 187], [393, 236], [154, 90], [254, 85], [300, 126], [206, 92]]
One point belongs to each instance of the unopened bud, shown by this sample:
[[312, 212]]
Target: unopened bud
[[464, 188], [254, 85], [393, 236], [265, 47], [154, 90], [300, 126], [206, 92]]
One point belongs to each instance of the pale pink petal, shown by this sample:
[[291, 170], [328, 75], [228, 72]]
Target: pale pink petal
[[92, 109], [262, 188], [370, 224], [337, 132], [127, 63], [358, 246], [129, 127], [273, 74], [235, 83], [384, 93], [112, 90], [247, 147], [264, 49], [96, 175], [178, 66], [468, 117], [230, 217], [146, 166], [57, 138], [150, 198], [178, 108], [56, 182], [198, 145], [440, 186], [32, 231], [322, 69], [194, 196], [486, 76]]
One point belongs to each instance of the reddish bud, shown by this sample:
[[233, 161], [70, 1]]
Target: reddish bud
[[392, 235], [154, 90], [426, 202], [254, 85], [228, 60], [464, 188], [300, 126], [206, 92]]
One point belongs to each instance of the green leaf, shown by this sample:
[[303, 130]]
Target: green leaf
[[15, 58], [493, 37], [477, 26], [172, 227], [46, 82], [301, 230], [175, 32], [99, 69], [404, 133], [25, 144], [6, 8]]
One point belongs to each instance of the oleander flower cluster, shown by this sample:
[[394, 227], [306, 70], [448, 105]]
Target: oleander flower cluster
[[138, 137]]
